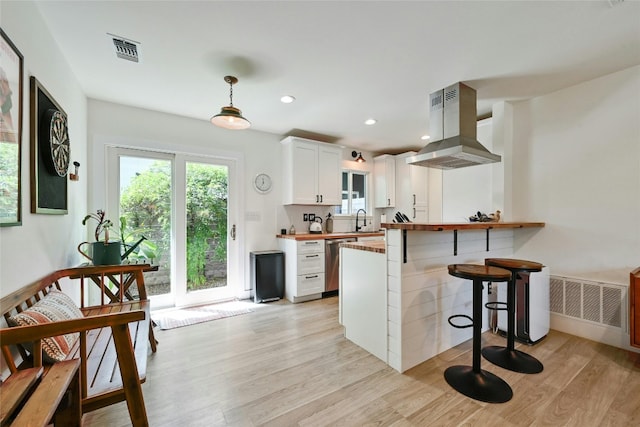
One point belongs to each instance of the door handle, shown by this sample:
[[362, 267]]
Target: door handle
[[233, 232]]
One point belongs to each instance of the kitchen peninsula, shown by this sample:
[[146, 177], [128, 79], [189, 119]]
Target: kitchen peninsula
[[413, 294]]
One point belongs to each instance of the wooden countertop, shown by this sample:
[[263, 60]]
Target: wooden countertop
[[377, 246], [322, 236], [458, 226]]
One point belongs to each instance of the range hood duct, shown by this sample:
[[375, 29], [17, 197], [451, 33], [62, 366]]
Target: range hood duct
[[453, 128]]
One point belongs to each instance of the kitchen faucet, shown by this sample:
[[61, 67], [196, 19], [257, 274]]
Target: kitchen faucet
[[365, 219]]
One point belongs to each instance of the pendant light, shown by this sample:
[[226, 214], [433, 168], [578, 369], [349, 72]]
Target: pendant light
[[230, 117]]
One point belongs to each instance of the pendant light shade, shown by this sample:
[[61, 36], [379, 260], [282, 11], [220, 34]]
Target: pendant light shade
[[230, 117]]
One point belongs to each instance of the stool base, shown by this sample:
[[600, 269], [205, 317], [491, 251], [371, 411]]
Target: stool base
[[513, 360], [483, 385]]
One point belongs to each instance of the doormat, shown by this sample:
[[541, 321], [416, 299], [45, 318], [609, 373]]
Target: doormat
[[178, 318]]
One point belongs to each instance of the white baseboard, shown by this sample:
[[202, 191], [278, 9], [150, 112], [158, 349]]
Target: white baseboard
[[615, 337]]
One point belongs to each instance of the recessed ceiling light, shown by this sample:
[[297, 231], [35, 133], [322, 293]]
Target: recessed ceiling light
[[425, 137], [287, 99], [370, 122]]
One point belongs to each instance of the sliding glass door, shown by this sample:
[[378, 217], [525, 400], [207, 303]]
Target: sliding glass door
[[183, 207]]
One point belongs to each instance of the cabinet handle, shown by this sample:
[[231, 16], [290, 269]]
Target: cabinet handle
[[414, 200], [321, 198], [312, 256], [388, 202], [315, 242], [317, 198], [311, 277], [414, 213]]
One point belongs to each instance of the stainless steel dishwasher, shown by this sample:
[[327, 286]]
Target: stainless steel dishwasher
[[332, 264]]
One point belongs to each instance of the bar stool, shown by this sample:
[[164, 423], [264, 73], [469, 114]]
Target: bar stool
[[508, 357], [472, 381]]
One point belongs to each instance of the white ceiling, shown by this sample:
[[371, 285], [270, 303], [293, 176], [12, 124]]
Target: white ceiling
[[344, 61]]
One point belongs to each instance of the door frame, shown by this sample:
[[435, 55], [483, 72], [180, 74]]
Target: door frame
[[110, 151]]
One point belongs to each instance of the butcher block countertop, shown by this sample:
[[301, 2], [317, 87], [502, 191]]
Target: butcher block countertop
[[376, 246], [459, 226], [320, 236]]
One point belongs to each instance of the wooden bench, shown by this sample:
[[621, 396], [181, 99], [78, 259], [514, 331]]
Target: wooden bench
[[112, 348]]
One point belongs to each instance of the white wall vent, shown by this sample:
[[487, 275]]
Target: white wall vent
[[125, 48], [603, 303]]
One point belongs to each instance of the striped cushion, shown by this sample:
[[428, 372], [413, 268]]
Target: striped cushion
[[53, 307]]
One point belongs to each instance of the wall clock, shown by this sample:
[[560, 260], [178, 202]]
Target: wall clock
[[262, 183], [57, 140]]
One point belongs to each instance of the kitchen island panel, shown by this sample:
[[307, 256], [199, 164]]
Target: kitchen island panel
[[363, 294], [428, 295], [436, 249]]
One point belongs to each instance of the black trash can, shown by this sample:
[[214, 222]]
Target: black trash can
[[267, 275]]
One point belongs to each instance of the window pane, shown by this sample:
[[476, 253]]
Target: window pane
[[359, 192], [354, 193], [207, 195]]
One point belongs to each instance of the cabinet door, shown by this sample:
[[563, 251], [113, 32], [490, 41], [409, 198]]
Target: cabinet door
[[384, 174], [304, 172], [309, 284], [329, 175], [419, 193], [310, 263]]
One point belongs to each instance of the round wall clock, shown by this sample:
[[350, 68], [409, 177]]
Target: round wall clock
[[58, 141], [262, 183]]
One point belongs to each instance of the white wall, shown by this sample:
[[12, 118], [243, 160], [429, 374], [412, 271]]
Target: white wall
[[114, 124], [44, 242], [576, 157], [466, 191]]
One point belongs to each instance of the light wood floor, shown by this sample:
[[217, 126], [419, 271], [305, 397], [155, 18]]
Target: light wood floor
[[289, 364]]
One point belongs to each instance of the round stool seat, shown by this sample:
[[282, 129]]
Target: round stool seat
[[508, 357], [514, 264], [472, 381], [479, 272]]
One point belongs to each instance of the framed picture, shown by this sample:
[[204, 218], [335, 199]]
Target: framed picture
[[11, 71], [50, 152]]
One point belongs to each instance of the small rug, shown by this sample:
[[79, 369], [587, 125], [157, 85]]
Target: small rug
[[178, 318]]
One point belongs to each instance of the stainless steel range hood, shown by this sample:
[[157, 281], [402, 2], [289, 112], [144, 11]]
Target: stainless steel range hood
[[453, 129]]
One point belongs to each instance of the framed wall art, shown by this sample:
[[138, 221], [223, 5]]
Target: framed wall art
[[50, 151], [11, 71]]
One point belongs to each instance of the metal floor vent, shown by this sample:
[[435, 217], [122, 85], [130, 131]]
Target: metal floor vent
[[597, 302], [126, 49]]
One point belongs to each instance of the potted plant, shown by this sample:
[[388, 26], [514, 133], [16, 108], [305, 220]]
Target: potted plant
[[136, 245], [103, 252]]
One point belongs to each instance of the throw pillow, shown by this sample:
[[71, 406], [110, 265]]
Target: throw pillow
[[53, 307]]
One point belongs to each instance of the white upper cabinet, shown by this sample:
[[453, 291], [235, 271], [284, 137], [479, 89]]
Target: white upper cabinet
[[384, 175], [412, 189], [312, 172]]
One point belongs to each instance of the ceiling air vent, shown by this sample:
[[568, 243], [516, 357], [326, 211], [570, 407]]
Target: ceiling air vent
[[126, 49]]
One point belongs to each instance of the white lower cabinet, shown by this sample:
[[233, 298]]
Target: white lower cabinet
[[304, 269]]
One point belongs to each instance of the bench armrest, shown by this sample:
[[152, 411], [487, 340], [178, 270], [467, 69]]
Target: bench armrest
[[122, 277], [20, 334]]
